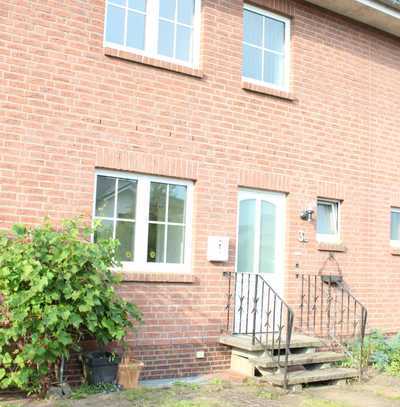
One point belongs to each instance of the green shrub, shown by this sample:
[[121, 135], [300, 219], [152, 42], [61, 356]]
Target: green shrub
[[381, 352], [56, 287]]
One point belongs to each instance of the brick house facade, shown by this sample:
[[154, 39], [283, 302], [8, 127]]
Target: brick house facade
[[71, 106]]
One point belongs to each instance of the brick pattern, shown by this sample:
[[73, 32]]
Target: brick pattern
[[68, 108], [179, 360], [187, 278]]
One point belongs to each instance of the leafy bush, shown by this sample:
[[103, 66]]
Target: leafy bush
[[383, 353], [56, 287]]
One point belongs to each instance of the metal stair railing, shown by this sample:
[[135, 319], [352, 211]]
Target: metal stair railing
[[329, 310], [261, 313]]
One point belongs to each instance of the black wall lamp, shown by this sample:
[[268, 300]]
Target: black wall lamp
[[307, 215]]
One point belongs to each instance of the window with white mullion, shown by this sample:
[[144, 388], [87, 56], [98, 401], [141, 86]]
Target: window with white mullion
[[265, 47], [125, 23], [147, 215], [166, 225], [328, 220], [159, 28], [166, 235], [395, 227], [116, 210], [176, 19]]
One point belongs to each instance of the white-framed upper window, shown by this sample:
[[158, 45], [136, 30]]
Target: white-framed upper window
[[266, 47], [328, 221], [150, 216], [164, 29], [395, 226]]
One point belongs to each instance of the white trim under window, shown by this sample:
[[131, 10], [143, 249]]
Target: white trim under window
[[328, 221], [142, 260], [395, 227], [152, 20], [265, 50]]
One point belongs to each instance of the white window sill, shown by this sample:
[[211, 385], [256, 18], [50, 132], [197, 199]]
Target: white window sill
[[264, 88], [395, 248], [168, 65], [332, 246]]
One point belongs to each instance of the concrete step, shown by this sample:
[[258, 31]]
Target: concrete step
[[245, 342], [298, 359], [313, 376]]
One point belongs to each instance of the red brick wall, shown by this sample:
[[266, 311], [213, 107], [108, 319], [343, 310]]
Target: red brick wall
[[67, 108]]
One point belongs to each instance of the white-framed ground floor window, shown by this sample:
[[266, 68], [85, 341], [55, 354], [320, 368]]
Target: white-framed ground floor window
[[149, 215], [328, 221], [395, 227]]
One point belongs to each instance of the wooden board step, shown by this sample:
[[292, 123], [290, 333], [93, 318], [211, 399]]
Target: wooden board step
[[245, 342], [298, 359], [313, 376]]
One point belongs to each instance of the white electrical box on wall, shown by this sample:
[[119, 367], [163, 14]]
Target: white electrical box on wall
[[218, 248]]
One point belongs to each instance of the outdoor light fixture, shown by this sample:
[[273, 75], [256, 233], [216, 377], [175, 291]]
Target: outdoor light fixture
[[307, 215]]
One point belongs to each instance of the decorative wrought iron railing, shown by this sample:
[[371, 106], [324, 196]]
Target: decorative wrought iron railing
[[255, 309], [328, 310]]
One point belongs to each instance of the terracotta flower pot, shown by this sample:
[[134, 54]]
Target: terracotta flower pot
[[129, 372]]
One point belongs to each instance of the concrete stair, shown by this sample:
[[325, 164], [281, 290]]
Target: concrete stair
[[314, 376], [245, 342], [308, 360], [298, 359]]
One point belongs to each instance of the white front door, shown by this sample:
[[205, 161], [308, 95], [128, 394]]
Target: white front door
[[260, 250]]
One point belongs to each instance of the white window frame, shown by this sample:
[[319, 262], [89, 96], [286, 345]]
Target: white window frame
[[151, 35], [330, 238], [140, 263], [287, 48], [395, 243]]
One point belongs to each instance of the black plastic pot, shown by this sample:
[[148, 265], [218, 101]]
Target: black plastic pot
[[101, 367], [332, 279]]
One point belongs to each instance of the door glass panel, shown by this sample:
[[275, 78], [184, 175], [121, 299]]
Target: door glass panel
[[246, 236], [267, 238]]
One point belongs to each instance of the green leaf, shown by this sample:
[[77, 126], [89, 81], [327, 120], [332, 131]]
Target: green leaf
[[55, 284], [19, 230]]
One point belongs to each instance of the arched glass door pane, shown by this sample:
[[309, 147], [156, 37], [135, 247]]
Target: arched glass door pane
[[267, 238], [246, 237]]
